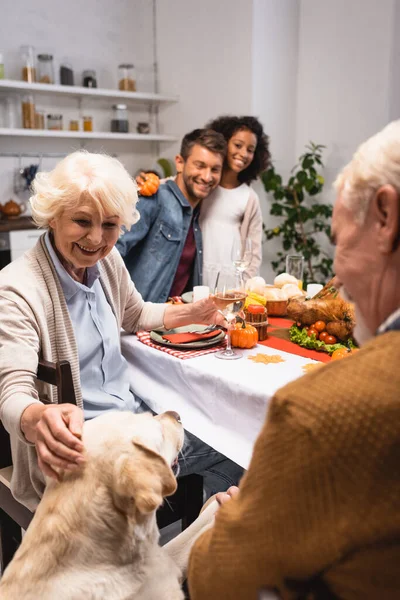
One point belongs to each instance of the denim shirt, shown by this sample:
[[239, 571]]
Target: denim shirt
[[153, 246]]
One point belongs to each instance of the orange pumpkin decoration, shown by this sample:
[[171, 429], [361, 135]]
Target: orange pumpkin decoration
[[244, 335], [148, 183]]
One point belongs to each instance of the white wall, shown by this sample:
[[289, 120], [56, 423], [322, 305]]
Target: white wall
[[345, 54], [274, 93], [205, 57], [394, 74]]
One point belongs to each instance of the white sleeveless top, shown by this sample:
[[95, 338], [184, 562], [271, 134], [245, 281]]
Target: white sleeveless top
[[224, 211]]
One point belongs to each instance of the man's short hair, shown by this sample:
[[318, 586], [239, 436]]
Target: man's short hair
[[208, 138]]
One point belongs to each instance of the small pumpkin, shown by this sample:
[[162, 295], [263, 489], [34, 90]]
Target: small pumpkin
[[244, 335], [148, 183]]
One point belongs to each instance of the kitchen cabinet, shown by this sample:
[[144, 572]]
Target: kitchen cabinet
[[21, 241]]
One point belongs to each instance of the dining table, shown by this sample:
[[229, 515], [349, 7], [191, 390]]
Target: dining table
[[222, 402]]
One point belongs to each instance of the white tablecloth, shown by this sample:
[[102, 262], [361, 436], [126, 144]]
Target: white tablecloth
[[222, 402]]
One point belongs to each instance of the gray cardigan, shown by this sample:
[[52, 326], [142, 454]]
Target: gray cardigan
[[34, 321]]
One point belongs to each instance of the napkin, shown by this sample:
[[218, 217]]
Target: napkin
[[184, 338]]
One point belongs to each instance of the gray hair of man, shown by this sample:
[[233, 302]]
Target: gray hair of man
[[375, 163]]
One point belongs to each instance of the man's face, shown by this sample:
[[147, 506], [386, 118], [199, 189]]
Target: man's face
[[200, 174], [357, 265]]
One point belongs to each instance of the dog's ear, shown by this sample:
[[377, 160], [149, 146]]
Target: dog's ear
[[145, 477]]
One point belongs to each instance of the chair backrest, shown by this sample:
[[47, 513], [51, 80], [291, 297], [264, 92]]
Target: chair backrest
[[58, 374]]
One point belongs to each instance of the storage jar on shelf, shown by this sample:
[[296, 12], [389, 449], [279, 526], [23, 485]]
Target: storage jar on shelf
[[28, 64], [39, 119], [28, 112], [87, 123], [89, 79], [45, 68], [119, 121], [54, 122], [126, 78], [66, 74]]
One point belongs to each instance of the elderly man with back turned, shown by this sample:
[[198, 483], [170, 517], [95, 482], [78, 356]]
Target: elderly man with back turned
[[163, 252], [318, 512]]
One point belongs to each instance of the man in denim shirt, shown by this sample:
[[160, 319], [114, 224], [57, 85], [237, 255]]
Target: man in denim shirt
[[163, 251]]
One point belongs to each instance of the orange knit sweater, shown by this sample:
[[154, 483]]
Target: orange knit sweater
[[320, 502]]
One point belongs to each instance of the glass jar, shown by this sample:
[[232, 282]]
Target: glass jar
[[256, 315], [143, 127], [74, 125], [55, 122], [89, 79], [119, 121], [12, 112], [28, 64], [87, 123], [45, 68], [39, 119], [28, 112], [126, 78], [66, 74]]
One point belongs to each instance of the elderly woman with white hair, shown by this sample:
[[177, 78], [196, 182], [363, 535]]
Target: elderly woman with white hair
[[68, 298]]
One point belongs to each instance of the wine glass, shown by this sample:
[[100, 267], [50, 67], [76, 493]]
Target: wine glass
[[241, 255], [229, 298]]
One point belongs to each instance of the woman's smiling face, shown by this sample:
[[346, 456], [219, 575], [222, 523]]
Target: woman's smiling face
[[241, 149], [83, 236]]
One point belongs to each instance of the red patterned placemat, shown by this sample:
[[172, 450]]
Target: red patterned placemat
[[144, 337]]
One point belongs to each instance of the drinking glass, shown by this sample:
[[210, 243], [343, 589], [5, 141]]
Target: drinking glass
[[229, 299], [295, 267], [241, 255]]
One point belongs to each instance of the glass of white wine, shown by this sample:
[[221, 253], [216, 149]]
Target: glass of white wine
[[229, 298], [241, 255]]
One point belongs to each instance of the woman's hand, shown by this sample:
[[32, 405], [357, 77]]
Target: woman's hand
[[206, 312], [56, 431], [203, 312]]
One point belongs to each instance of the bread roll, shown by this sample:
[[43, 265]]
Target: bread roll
[[255, 284], [292, 291], [283, 278], [273, 293]]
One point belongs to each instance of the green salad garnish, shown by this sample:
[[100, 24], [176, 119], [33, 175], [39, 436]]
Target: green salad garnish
[[300, 336]]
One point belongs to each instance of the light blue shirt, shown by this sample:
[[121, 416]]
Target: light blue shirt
[[104, 371]]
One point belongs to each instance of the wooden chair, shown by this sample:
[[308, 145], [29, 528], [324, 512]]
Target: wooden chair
[[13, 515], [184, 505]]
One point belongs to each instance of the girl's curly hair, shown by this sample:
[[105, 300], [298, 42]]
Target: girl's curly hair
[[228, 125]]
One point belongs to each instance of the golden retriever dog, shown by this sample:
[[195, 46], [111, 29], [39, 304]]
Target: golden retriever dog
[[94, 535]]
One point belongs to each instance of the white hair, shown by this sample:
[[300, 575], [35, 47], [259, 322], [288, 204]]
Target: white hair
[[81, 176], [375, 163]]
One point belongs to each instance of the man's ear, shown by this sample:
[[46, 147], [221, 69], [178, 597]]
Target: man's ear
[[179, 163], [386, 210], [143, 477]]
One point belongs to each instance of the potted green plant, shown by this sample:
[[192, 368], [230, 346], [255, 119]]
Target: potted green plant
[[303, 215]]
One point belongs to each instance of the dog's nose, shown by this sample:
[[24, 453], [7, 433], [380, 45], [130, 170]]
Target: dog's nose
[[174, 415]]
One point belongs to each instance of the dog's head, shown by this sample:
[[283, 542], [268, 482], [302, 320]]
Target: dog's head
[[135, 455]]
